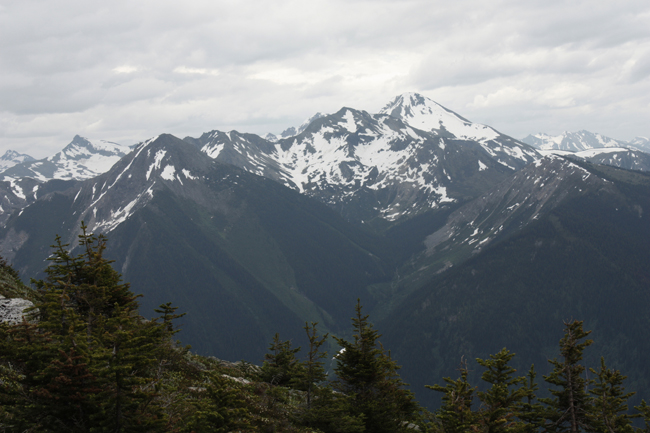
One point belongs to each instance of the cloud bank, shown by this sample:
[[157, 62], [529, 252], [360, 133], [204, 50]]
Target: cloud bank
[[133, 69]]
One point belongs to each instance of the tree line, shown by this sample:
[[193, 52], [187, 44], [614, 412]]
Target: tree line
[[85, 360]]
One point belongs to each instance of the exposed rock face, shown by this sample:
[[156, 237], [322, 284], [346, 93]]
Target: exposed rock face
[[12, 309]]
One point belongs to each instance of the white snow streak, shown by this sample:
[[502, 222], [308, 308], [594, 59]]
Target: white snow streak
[[158, 157]]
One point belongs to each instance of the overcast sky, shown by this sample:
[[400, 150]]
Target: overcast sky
[[125, 71]]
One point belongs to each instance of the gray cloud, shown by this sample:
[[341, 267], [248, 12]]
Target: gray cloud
[[133, 69]]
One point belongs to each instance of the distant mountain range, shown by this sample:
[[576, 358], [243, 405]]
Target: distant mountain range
[[457, 238], [595, 148], [378, 167], [79, 160], [572, 141], [11, 158]]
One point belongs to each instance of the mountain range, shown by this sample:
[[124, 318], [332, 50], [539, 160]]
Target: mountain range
[[80, 159], [596, 148], [458, 239], [11, 158]]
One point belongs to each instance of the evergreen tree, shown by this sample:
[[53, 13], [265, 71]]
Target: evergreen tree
[[456, 414], [222, 409], [332, 412], [531, 411], [570, 406], [281, 367], [367, 374], [610, 409], [88, 360], [325, 410], [125, 359], [501, 401], [644, 411], [313, 371]]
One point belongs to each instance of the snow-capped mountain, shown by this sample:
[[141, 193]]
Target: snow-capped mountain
[[423, 113], [111, 198], [595, 148], [81, 159], [247, 151], [641, 143], [572, 141], [11, 158], [243, 254], [378, 166], [622, 157], [241, 239]]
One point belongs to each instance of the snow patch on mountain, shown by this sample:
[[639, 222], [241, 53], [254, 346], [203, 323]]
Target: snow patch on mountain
[[593, 152], [81, 159], [188, 174], [16, 189], [572, 141], [158, 157], [349, 124], [168, 173], [12, 158]]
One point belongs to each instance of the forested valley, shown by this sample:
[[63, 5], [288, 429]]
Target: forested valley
[[84, 360]]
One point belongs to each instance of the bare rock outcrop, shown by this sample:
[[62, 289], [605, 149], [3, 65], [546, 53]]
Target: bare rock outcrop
[[12, 310]]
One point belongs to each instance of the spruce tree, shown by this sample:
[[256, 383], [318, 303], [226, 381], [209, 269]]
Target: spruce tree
[[610, 409], [86, 360], [531, 411], [281, 367], [500, 402], [367, 373], [223, 408], [313, 371], [456, 414], [570, 406], [644, 412]]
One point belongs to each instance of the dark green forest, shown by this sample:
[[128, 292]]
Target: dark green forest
[[84, 360]]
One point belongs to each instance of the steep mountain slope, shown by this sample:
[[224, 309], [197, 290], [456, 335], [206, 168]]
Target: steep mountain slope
[[620, 157], [243, 255], [423, 113], [628, 159], [378, 169], [575, 245], [81, 159], [375, 167], [11, 158], [572, 141], [247, 151], [469, 228]]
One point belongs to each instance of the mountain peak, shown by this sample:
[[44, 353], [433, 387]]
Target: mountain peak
[[81, 159], [82, 148], [411, 103], [423, 113], [293, 131], [164, 161], [11, 158]]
